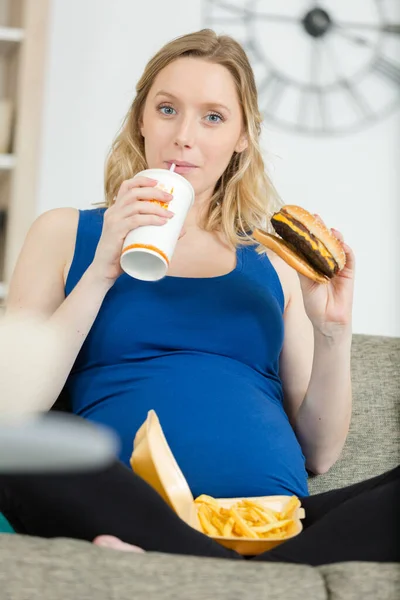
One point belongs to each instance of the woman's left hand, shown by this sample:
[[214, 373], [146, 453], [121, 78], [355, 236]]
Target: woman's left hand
[[329, 306]]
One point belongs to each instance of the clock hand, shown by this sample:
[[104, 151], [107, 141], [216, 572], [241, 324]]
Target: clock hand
[[245, 12], [392, 28], [315, 75], [311, 95], [344, 83], [278, 18], [384, 27], [360, 41]]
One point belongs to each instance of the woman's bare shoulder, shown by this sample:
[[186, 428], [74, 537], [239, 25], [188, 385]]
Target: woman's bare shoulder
[[55, 223], [37, 282], [58, 227], [60, 217]]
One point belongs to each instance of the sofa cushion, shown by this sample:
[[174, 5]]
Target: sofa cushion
[[355, 580], [373, 443], [65, 569]]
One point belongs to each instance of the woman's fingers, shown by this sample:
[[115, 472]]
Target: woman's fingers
[[350, 258], [318, 218], [136, 194], [337, 234], [147, 208], [143, 221], [135, 182]]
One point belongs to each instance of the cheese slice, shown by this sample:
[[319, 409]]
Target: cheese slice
[[315, 244]]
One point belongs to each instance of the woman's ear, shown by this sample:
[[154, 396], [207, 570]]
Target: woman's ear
[[242, 144]]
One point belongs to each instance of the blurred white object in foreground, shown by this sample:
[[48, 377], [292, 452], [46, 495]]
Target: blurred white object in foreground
[[54, 442], [31, 441], [30, 355]]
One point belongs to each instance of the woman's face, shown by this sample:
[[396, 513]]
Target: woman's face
[[192, 117]]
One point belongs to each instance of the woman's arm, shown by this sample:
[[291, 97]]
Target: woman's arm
[[318, 342], [36, 298], [37, 286], [315, 372], [324, 417]]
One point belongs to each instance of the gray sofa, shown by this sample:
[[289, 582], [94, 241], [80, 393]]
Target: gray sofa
[[63, 569]]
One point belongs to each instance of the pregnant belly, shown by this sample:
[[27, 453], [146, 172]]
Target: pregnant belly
[[226, 428]]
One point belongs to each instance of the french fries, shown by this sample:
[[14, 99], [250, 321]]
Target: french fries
[[245, 519]]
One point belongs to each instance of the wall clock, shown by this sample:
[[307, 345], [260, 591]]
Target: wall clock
[[328, 67]]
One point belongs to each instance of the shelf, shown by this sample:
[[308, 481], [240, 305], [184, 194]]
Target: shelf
[[3, 291], [9, 38], [25, 28], [7, 162]]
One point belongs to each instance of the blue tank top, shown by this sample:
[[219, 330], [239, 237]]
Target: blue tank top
[[204, 354]]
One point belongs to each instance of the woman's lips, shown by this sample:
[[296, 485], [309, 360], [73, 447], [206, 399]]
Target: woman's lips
[[182, 167]]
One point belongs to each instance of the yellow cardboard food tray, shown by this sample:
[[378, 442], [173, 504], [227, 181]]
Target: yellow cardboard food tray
[[153, 460]]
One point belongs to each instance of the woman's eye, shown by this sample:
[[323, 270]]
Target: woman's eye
[[167, 110], [215, 118], [211, 118]]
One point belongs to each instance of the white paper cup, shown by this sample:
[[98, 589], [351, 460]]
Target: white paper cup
[[148, 250]]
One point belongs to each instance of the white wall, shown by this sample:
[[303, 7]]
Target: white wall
[[98, 49]]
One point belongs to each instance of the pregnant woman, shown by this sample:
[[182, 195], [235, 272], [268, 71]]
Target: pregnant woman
[[246, 363]]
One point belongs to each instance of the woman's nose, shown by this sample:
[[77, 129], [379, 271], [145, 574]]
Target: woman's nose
[[185, 135]]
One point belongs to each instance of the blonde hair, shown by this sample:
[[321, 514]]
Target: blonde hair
[[244, 197]]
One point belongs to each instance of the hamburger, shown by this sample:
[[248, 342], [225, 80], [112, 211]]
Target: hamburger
[[304, 243]]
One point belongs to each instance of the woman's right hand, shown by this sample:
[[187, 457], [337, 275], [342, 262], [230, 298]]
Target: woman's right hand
[[131, 209]]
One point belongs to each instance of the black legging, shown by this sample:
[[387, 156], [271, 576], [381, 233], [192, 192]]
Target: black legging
[[358, 522]]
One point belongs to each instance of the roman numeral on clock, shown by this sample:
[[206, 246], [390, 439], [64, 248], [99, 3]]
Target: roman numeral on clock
[[312, 110], [271, 90], [224, 13], [359, 102], [388, 69]]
